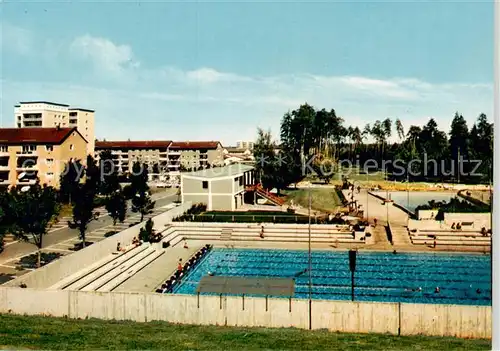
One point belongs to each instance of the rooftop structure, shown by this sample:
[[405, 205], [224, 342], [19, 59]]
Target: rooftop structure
[[46, 114]]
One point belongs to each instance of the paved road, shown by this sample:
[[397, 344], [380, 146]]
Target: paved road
[[61, 238]]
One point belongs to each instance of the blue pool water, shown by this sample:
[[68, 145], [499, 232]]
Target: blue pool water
[[384, 277], [416, 198]]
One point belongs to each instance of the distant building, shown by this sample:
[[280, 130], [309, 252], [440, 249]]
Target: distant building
[[33, 114], [221, 188], [246, 145], [163, 156], [196, 154], [30, 153]]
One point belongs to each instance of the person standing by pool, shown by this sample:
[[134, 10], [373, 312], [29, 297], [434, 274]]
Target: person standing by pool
[[179, 265], [262, 232]]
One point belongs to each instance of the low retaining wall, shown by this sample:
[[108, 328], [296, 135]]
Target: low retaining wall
[[50, 274], [341, 316]]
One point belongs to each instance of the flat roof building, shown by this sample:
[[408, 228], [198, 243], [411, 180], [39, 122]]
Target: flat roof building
[[30, 153], [220, 188], [45, 114], [163, 156]]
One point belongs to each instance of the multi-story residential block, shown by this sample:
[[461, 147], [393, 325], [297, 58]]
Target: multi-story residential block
[[29, 114], [126, 153], [162, 156], [30, 153], [196, 154]]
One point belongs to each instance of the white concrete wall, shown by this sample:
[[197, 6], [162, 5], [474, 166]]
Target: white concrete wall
[[50, 274], [356, 317], [342, 316], [446, 320]]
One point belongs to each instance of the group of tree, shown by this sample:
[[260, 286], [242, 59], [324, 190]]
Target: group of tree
[[99, 183], [28, 213], [315, 141]]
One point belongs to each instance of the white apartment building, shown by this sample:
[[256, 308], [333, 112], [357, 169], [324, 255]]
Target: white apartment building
[[50, 114]]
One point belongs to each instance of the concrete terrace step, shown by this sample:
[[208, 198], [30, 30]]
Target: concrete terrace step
[[225, 233], [88, 278], [271, 239], [464, 240], [117, 270], [66, 282], [131, 271]]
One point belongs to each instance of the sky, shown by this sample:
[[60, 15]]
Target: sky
[[204, 70]]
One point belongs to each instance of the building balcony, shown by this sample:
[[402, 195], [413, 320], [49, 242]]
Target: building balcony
[[4, 167], [32, 118], [27, 167], [174, 152], [26, 181], [30, 153]]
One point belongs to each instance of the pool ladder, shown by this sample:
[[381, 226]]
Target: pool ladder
[[225, 234]]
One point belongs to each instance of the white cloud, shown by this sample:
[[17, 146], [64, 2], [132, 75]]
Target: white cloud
[[207, 103], [104, 54], [16, 39], [209, 75]]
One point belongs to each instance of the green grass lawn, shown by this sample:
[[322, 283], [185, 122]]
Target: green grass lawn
[[322, 199], [32, 332]]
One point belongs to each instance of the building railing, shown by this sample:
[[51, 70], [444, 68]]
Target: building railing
[[31, 153]]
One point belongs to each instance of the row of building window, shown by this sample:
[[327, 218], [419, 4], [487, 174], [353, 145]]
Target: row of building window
[[32, 148]]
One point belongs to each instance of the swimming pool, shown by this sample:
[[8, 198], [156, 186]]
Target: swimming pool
[[416, 198], [383, 277]]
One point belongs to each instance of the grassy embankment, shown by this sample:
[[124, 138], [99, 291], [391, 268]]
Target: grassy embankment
[[32, 332], [322, 199]]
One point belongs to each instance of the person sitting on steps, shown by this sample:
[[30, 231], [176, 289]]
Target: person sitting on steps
[[135, 241]]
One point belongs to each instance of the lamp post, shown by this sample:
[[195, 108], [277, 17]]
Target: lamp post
[[367, 187], [310, 261], [408, 197]]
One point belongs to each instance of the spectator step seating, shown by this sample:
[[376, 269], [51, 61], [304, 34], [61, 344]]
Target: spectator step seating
[[425, 232], [104, 271], [129, 272], [450, 237], [244, 232], [79, 277], [225, 233], [100, 280]]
